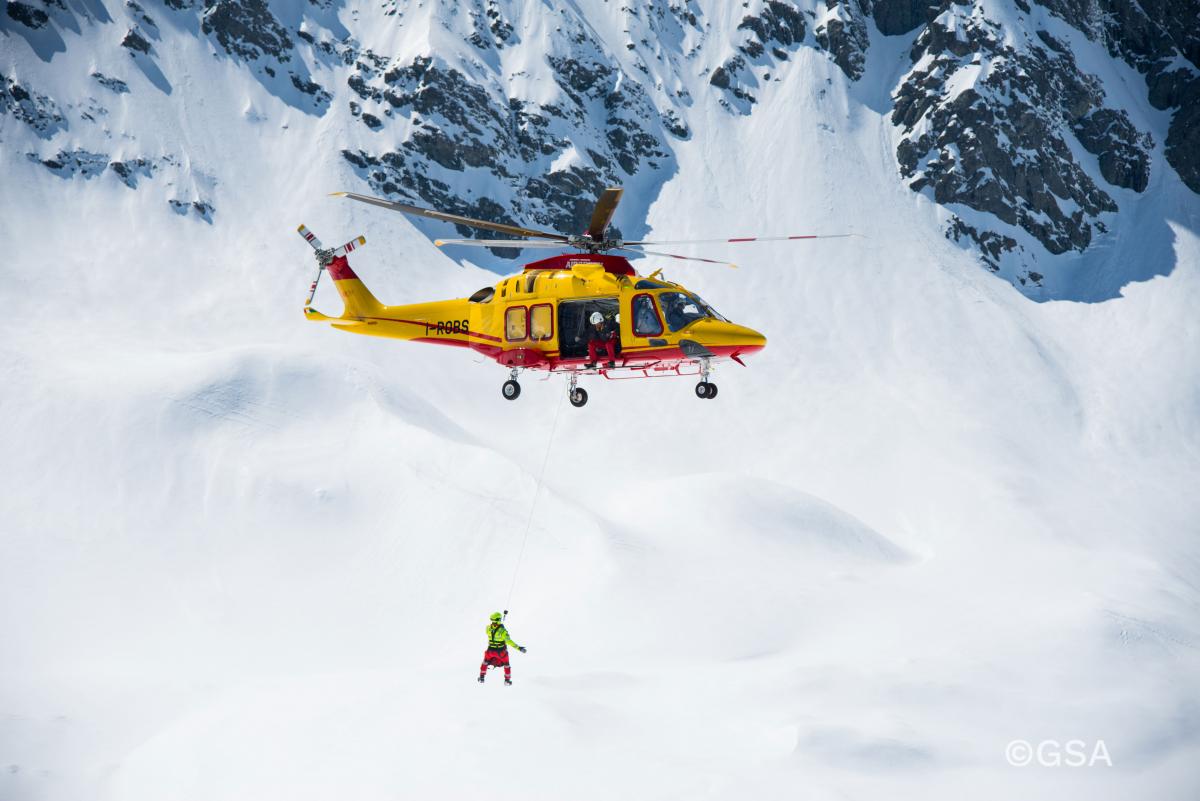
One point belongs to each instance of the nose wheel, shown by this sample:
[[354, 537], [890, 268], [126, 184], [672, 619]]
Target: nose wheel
[[705, 390], [511, 389]]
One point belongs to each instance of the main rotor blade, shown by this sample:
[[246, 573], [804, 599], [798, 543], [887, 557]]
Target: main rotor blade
[[606, 207], [676, 256], [501, 243], [404, 208], [739, 239]]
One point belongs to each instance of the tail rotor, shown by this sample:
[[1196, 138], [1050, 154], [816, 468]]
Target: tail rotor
[[325, 257]]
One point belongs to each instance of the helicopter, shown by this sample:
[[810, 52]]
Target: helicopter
[[538, 319]]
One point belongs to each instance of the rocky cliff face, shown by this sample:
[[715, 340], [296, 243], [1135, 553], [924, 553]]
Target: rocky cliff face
[[998, 116], [990, 118], [1005, 112]]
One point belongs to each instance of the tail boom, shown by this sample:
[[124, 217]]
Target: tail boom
[[443, 322]]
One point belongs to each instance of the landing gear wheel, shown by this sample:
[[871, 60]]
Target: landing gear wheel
[[712, 391], [704, 388], [578, 397], [511, 390]]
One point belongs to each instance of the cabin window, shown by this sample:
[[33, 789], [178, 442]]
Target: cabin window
[[541, 321], [530, 282], [515, 323], [646, 322]]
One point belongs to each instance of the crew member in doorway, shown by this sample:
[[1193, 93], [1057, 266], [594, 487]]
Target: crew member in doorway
[[496, 654], [601, 334]]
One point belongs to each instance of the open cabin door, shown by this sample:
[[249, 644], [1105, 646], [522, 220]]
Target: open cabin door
[[573, 324]]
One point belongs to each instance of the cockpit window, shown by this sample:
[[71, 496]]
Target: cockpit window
[[713, 313], [682, 309]]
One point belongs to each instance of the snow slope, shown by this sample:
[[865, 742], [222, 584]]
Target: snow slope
[[243, 556]]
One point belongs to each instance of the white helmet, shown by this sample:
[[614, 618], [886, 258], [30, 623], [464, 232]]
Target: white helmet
[[596, 318]]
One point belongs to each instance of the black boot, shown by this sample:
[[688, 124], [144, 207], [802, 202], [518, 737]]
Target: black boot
[[611, 365], [508, 682], [481, 678], [590, 366]]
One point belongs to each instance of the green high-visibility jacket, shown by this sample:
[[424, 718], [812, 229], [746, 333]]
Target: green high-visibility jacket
[[498, 637]]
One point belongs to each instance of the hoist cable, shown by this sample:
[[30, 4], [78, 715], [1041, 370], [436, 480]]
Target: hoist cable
[[533, 505]]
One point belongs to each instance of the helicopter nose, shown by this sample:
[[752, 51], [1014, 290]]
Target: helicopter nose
[[731, 338], [743, 339]]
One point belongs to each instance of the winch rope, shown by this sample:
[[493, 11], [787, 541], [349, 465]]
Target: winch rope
[[533, 505]]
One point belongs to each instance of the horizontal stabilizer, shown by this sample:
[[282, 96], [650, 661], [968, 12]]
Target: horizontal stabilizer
[[316, 316]]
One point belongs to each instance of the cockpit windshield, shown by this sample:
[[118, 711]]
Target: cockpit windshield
[[681, 309]]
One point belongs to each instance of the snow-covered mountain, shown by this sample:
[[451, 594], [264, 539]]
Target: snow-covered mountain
[[1050, 135], [244, 556]]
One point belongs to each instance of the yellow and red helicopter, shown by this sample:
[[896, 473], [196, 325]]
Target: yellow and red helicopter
[[539, 319]]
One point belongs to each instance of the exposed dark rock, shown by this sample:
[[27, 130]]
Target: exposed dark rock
[[1153, 36], [1001, 146], [312, 89], [201, 208], [720, 77], [1123, 151], [34, 109], [844, 36], [26, 14], [136, 42], [895, 17], [68, 164], [501, 29], [141, 16], [1183, 137], [131, 170], [676, 126], [778, 27], [991, 245], [727, 76], [246, 29], [779, 22], [115, 85], [605, 126]]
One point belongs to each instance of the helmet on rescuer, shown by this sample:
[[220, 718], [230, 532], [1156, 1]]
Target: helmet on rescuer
[[596, 318], [497, 617]]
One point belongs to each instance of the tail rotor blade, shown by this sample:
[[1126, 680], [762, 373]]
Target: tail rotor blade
[[310, 237], [353, 244], [602, 215]]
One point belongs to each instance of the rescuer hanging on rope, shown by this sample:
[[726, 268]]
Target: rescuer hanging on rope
[[497, 650]]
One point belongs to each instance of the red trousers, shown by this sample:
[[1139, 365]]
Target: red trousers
[[609, 345], [496, 658]]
